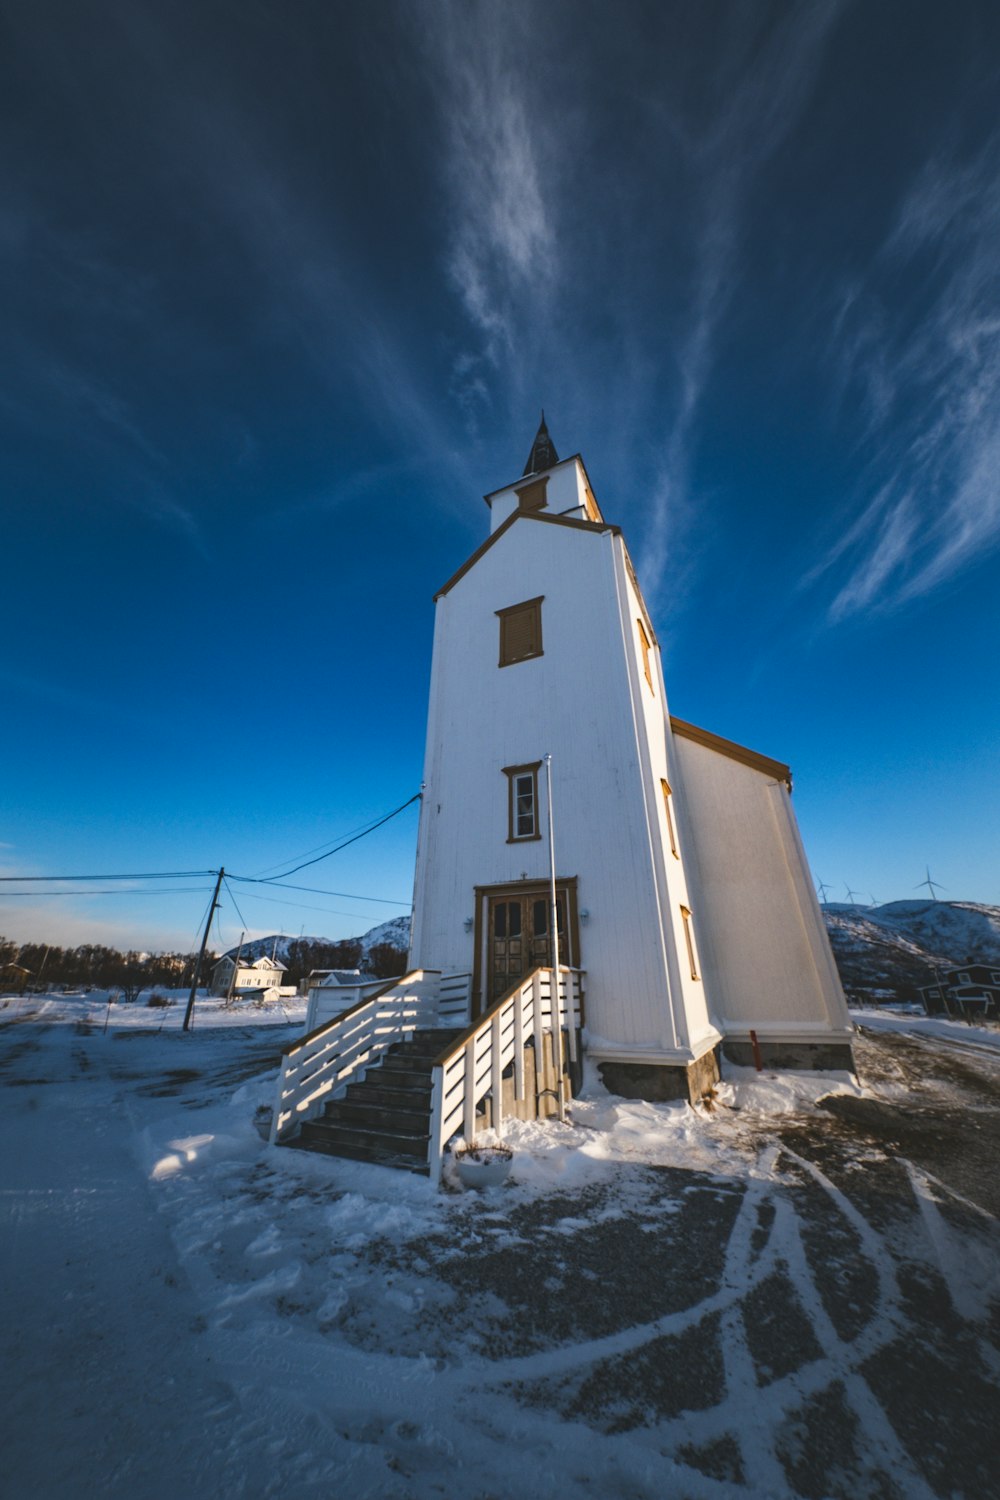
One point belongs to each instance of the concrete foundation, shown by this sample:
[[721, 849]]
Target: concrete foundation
[[799, 1056], [660, 1083]]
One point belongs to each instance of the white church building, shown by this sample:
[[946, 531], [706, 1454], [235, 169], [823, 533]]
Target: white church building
[[683, 892]]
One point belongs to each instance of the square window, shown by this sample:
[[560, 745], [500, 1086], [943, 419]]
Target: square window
[[532, 496], [522, 802], [520, 631]]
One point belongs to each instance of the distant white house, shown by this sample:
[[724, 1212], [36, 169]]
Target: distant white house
[[246, 976]]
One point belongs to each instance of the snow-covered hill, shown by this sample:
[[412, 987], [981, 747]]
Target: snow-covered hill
[[882, 952], [396, 932], [886, 952]]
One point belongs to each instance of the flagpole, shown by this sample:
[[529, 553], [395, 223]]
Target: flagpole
[[554, 928]]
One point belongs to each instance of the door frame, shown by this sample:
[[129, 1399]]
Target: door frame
[[484, 894]]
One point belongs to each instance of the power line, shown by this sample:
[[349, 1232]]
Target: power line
[[314, 850], [195, 874], [330, 911], [363, 834], [315, 890], [233, 900], [170, 890], [155, 875]]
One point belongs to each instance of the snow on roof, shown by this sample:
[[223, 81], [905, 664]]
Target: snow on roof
[[340, 976]]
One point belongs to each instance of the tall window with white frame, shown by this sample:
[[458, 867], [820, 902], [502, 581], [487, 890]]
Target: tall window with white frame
[[522, 802]]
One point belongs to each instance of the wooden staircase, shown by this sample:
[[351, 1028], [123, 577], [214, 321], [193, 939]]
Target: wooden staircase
[[385, 1117]]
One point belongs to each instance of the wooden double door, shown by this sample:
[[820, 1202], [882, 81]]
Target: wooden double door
[[519, 935]]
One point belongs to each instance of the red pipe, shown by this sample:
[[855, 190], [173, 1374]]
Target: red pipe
[[758, 1061]]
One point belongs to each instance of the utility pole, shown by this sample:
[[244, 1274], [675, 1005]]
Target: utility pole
[[201, 955], [236, 967]]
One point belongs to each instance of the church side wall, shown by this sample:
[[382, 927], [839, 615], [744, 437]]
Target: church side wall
[[650, 714], [574, 701], [766, 956]]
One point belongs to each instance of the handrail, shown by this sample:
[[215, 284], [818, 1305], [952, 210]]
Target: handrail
[[472, 1067], [312, 1036], [458, 1045], [329, 1056]]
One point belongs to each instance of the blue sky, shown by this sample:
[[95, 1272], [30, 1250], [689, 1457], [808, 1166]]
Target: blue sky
[[284, 288]]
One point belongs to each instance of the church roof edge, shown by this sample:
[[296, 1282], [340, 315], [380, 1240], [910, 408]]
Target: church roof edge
[[742, 753], [522, 515], [518, 483]]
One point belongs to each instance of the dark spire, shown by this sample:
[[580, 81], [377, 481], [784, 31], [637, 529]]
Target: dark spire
[[543, 452]]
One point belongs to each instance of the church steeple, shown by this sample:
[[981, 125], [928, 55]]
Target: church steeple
[[543, 452]]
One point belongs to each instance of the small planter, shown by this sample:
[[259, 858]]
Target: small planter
[[483, 1166]]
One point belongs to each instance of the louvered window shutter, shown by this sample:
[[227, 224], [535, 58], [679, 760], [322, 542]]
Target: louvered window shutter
[[521, 632]]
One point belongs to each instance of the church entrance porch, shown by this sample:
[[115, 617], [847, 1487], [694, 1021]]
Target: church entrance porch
[[513, 935]]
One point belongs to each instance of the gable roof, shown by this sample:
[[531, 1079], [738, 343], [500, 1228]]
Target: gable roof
[[327, 977], [522, 515], [730, 748], [518, 484]]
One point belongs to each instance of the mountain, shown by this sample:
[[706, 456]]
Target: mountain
[[883, 952], [887, 952], [396, 932]]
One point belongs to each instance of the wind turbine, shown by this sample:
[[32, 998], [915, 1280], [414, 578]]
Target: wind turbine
[[824, 891], [874, 899], [932, 885], [851, 895]]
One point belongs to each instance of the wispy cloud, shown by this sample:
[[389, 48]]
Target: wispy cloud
[[507, 142], [551, 245], [919, 341], [504, 244], [758, 88]]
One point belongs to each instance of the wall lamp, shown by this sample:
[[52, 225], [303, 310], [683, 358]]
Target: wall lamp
[[584, 915], [468, 924]]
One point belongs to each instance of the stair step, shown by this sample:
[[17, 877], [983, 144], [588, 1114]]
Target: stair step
[[440, 1036], [392, 1077], [355, 1112], [424, 1044], [372, 1091], [353, 1152], [384, 1118], [407, 1062], [397, 1142]]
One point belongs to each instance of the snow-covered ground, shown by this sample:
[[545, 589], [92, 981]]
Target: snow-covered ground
[[945, 1030], [662, 1302]]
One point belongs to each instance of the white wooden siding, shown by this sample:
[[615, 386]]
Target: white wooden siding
[[580, 701], [763, 946]]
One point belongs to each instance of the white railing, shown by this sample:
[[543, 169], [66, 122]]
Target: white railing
[[326, 1060], [473, 1067], [454, 995]]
